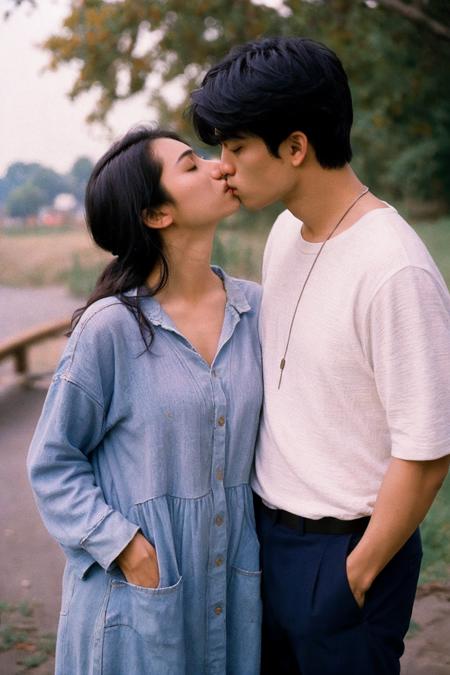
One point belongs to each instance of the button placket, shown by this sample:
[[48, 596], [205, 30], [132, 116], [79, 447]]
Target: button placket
[[218, 542]]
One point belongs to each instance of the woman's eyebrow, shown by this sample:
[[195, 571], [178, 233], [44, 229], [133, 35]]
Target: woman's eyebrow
[[184, 154]]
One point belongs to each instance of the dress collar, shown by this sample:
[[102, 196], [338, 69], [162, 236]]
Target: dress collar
[[236, 298]]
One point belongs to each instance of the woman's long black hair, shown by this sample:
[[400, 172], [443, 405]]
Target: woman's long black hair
[[125, 187]]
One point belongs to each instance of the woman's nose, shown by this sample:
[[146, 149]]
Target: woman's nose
[[222, 169]]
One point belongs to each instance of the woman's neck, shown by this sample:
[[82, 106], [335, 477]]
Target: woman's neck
[[190, 275]]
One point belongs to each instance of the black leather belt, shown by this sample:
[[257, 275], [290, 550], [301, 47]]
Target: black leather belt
[[326, 525]]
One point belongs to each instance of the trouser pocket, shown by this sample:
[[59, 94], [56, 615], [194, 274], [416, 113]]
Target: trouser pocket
[[334, 605]]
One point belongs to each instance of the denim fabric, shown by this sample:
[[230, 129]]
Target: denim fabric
[[156, 441]]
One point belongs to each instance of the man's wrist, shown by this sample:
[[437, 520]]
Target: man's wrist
[[361, 570]]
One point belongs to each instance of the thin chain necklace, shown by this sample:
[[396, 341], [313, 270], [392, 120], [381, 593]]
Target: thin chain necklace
[[283, 360]]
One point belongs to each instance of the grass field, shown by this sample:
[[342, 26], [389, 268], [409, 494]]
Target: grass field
[[436, 236], [43, 258], [436, 539], [70, 257]]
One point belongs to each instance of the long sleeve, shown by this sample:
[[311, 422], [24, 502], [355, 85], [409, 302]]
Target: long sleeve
[[71, 426]]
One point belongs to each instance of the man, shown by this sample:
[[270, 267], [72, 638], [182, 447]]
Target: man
[[355, 328]]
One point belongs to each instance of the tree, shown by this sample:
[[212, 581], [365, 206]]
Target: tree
[[25, 201], [395, 51], [79, 175], [432, 15], [49, 182], [45, 182], [127, 46], [17, 174], [398, 72]]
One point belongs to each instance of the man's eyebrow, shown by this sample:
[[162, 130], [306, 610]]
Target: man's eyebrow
[[184, 154], [232, 139]]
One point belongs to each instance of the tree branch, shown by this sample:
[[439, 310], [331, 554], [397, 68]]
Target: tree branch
[[413, 13]]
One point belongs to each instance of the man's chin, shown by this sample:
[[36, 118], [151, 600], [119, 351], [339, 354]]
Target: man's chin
[[253, 205]]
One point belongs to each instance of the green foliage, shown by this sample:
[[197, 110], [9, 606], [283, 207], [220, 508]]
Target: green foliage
[[124, 46], [398, 74], [16, 175], [81, 278], [33, 660], [47, 643], [25, 188], [49, 182], [79, 175], [18, 631], [436, 539], [24, 608], [413, 629], [436, 236], [10, 636], [397, 61], [25, 201]]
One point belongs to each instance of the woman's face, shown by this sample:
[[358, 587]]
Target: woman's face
[[199, 198]]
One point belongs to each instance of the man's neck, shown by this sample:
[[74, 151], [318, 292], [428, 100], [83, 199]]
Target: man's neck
[[323, 198]]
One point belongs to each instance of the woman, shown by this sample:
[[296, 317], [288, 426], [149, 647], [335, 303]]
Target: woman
[[141, 459]]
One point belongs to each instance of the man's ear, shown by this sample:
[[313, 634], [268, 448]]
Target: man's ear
[[296, 147], [158, 219]]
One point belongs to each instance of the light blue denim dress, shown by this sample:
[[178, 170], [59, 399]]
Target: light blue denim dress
[[156, 441]]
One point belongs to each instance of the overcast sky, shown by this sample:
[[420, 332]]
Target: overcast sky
[[38, 122]]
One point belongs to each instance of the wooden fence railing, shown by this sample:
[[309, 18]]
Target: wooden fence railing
[[17, 347]]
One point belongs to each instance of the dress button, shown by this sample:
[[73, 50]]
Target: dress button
[[221, 421], [218, 610], [213, 372], [219, 474], [218, 520], [218, 561]]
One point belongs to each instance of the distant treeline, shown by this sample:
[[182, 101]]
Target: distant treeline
[[27, 187]]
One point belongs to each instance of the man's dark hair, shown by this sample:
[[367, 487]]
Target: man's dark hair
[[272, 87]]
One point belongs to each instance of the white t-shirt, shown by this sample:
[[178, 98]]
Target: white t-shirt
[[367, 372]]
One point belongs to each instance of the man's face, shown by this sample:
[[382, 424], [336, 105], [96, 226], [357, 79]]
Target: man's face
[[255, 175]]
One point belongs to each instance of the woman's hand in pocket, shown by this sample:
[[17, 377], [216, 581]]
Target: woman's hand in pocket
[[139, 563]]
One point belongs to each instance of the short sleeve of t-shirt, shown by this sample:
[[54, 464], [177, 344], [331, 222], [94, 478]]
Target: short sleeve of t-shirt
[[409, 350]]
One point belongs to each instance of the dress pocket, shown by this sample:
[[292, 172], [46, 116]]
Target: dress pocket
[[244, 614], [143, 630]]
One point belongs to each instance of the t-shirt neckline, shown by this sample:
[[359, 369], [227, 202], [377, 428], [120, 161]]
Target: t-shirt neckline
[[310, 247]]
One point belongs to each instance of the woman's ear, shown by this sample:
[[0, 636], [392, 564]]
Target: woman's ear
[[296, 146], [158, 219]]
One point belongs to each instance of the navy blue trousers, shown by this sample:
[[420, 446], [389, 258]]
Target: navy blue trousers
[[312, 624]]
